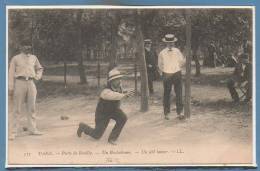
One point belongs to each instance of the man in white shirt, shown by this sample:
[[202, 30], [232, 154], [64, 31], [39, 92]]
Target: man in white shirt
[[24, 69], [170, 61], [108, 107]]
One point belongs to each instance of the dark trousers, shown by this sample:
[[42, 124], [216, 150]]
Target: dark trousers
[[150, 83], [232, 90], [102, 121], [168, 81]]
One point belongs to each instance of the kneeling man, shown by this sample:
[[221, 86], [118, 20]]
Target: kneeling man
[[108, 107]]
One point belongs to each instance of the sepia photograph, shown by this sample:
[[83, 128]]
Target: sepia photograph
[[96, 86]]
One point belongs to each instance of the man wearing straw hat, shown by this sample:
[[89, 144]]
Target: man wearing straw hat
[[24, 69], [170, 61], [108, 107]]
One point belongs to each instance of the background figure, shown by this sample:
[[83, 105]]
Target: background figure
[[242, 75], [24, 69], [170, 62], [151, 63], [108, 107], [210, 61]]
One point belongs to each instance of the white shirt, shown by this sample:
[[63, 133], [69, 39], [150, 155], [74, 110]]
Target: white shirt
[[170, 61], [26, 66]]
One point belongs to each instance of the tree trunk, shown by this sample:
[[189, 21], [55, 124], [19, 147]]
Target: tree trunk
[[143, 70], [98, 71], [197, 64], [82, 76], [81, 69], [188, 66], [114, 29], [65, 73]]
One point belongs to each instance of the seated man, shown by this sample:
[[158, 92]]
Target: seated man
[[242, 74], [108, 107]]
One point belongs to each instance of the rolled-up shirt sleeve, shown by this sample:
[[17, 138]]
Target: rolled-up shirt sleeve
[[38, 70], [11, 74], [108, 94]]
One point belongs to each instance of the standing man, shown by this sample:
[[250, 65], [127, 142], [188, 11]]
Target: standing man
[[170, 62], [108, 107], [211, 60], [24, 69], [151, 63]]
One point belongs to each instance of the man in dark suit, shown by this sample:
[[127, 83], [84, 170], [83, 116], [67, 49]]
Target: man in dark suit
[[241, 75], [151, 63]]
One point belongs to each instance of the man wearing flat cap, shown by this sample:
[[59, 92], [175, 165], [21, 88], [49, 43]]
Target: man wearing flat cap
[[151, 63], [170, 61], [108, 107], [24, 69]]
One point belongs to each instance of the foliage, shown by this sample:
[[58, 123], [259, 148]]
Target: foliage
[[53, 32]]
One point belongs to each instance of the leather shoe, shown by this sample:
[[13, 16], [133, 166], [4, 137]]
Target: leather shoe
[[36, 133], [80, 129], [112, 142]]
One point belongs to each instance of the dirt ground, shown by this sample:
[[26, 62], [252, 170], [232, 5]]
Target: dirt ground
[[218, 131]]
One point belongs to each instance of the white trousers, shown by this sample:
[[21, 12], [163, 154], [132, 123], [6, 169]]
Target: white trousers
[[24, 91]]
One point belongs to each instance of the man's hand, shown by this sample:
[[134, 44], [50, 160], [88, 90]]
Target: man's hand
[[160, 72], [130, 93], [10, 93]]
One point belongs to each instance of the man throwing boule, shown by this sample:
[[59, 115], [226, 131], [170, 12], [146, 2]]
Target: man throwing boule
[[108, 107]]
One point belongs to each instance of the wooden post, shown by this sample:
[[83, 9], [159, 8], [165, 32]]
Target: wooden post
[[65, 74], [188, 65], [135, 68], [143, 70], [98, 71], [32, 33]]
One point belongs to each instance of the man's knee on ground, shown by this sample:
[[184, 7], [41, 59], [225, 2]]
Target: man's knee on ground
[[124, 118]]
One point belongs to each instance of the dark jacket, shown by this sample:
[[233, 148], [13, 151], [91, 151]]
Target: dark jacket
[[106, 107], [247, 75], [151, 63], [241, 74]]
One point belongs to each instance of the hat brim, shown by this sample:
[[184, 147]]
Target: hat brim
[[116, 77], [175, 40]]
